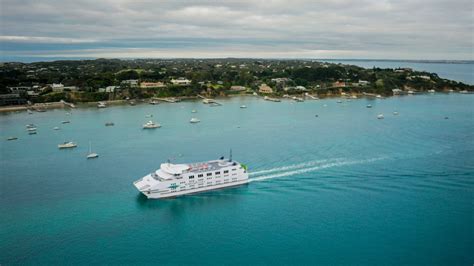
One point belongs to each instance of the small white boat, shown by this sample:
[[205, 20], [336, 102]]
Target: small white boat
[[65, 122], [353, 97], [151, 125], [91, 154], [378, 96], [339, 101], [154, 102], [32, 132], [12, 138], [101, 105], [29, 111], [369, 106], [431, 91], [194, 120], [380, 116], [149, 115], [31, 129], [193, 111], [464, 92], [109, 124], [55, 128], [395, 113], [411, 92], [30, 125], [243, 106], [67, 145]]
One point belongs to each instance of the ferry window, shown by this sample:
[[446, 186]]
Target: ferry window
[[218, 173], [234, 169], [191, 177], [226, 171], [209, 174], [200, 175]]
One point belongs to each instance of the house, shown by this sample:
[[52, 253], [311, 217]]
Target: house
[[11, 98], [339, 84], [363, 82], [131, 82], [238, 88], [280, 80], [148, 85], [111, 88], [181, 81], [264, 88], [297, 88], [57, 87], [20, 89]]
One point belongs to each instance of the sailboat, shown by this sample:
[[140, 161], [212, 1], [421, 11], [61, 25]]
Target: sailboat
[[91, 154]]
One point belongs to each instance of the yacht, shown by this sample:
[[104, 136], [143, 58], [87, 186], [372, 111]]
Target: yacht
[[109, 124], [151, 125], [154, 102], [380, 116], [193, 111], [172, 180], [431, 91], [369, 106], [65, 122], [194, 120], [395, 113], [149, 115], [55, 128], [91, 154], [243, 107], [101, 105], [12, 138], [67, 145], [31, 129]]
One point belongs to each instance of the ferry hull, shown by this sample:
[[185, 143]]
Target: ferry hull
[[164, 195]]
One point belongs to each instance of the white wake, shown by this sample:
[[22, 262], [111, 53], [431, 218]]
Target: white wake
[[299, 169]]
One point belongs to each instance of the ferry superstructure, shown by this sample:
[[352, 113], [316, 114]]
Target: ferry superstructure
[[173, 180]]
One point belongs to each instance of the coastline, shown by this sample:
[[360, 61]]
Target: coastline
[[61, 105]]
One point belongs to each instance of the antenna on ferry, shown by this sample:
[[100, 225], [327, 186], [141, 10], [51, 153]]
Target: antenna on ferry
[[230, 156]]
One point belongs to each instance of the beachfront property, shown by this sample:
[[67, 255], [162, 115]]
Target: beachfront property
[[148, 85], [180, 81], [297, 88], [264, 88]]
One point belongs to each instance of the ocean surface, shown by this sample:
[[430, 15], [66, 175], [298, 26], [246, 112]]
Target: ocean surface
[[458, 71], [340, 188]]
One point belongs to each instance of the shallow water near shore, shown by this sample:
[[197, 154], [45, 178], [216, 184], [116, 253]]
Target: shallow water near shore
[[340, 188]]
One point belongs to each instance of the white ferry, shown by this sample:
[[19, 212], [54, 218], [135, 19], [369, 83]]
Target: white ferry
[[173, 180]]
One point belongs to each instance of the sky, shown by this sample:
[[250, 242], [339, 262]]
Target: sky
[[37, 30]]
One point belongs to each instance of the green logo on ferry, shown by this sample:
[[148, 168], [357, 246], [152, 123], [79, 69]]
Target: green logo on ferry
[[173, 186]]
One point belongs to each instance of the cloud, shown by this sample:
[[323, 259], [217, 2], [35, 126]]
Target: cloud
[[419, 29]]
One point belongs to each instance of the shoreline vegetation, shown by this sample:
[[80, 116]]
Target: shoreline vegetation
[[85, 82]]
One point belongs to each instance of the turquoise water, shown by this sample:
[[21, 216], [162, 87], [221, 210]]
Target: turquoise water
[[341, 188], [462, 72]]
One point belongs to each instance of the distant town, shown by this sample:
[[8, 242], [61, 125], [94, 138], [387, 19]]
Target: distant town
[[113, 79]]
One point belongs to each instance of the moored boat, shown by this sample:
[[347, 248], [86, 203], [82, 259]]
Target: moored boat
[[67, 145], [151, 125]]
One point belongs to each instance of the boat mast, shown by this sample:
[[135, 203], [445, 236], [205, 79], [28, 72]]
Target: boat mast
[[230, 156]]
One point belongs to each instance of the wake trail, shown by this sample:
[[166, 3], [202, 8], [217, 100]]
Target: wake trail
[[309, 169], [292, 167]]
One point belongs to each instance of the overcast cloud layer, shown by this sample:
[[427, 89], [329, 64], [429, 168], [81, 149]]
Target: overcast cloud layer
[[383, 29]]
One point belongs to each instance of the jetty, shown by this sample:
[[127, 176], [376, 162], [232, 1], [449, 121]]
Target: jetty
[[209, 101], [168, 100], [266, 98], [67, 104], [312, 97]]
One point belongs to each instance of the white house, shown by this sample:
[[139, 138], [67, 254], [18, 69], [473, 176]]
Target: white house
[[181, 81], [57, 87]]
